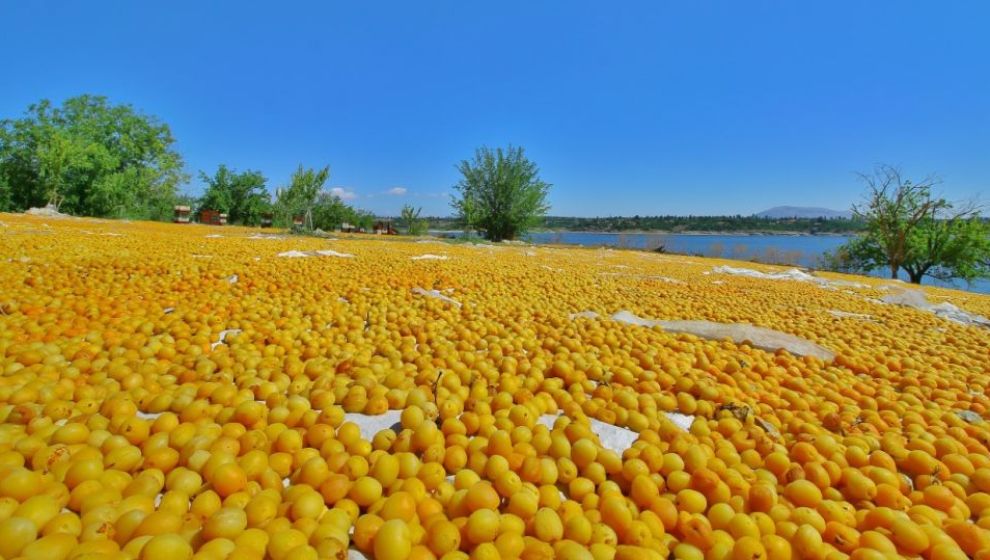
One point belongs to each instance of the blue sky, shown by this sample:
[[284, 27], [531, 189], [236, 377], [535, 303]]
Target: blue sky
[[628, 107]]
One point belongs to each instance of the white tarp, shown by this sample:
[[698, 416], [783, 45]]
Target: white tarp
[[583, 315], [759, 337], [682, 421], [370, 425], [617, 438], [46, 211], [613, 437], [945, 310], [320, 253], [222, 339], [332, 253], [790, 274], [429, 257], [436, 294]]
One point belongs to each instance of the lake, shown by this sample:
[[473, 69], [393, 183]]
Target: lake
[[802, 250]]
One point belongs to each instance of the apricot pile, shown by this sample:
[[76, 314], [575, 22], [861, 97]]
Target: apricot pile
[[180, 391]]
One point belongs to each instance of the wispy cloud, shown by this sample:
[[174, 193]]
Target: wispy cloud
[[433, 195], [343, 193], [397, 191]]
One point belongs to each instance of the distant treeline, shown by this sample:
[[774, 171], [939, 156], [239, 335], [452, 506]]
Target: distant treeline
[[677, 224]]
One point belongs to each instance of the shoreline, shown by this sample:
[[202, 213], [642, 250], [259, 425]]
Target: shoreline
[[702, 233], [666, 232]]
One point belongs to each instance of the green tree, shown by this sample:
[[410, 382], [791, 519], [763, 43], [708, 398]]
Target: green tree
[[501, 193], [89, 157], [909, 229], [409, 217], [893, 208], [4, 194], [242, 196], [954, 245], [299, 197], [363, 219], [329, 212]]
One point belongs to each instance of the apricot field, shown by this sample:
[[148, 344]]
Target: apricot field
[[181, 391]]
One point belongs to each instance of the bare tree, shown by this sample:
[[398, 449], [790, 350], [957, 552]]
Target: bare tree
[[655, 242], [893, 208]]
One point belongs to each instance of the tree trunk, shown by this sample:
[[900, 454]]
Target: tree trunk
[[893, 271], [916, 274]]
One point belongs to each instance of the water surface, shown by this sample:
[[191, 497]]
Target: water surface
[[801, 250]]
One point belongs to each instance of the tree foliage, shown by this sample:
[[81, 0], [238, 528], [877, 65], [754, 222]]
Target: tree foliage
[[953, 246], [242, 196], [89, 157], [410, 220], [501, 193], [300, 196], [363, 219], [893, 209], [330, 212], [910, 229], [305, 196]]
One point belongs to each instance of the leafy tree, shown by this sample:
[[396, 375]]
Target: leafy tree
[[858, 254], [242, 196], [362, 219], [329, 212], [4, 194], [955, 245], [909, 229], [501, 193], [409, 217], [299, 197], [467, 215], [89, 157]]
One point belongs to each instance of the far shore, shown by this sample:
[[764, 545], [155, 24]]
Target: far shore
[[666, 232]]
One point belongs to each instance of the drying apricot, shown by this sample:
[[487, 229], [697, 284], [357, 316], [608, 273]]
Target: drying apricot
[[168, 393]]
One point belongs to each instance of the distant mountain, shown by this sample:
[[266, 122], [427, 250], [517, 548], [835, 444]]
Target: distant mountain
[[803, 212]]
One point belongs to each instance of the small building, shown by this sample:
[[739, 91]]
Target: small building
[[298, 220], [384, 228], [266, 219], [212, 217], [181, 214]]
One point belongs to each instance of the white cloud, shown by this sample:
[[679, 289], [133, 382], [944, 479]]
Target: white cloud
[[397, 191], [343, 193]]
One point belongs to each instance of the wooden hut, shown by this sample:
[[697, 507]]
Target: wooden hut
[[181, 214], [212, 217], [385, 228]]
